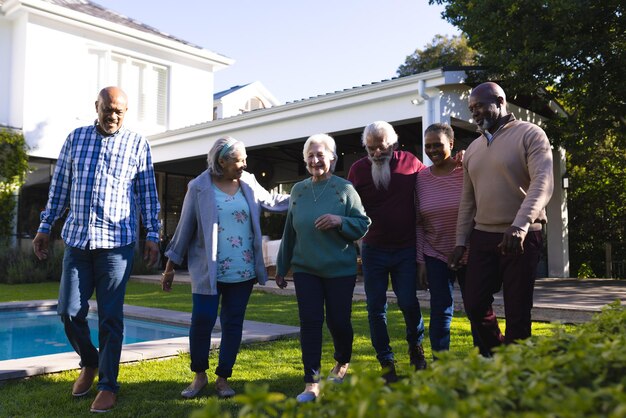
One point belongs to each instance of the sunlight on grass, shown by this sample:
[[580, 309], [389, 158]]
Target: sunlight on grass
[[152, 388]]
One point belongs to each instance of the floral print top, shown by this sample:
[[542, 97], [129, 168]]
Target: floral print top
[[235, 251]]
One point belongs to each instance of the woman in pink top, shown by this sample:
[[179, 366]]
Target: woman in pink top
[[438, 194]]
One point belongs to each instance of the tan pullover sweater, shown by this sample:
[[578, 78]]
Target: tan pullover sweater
[[508, 182]]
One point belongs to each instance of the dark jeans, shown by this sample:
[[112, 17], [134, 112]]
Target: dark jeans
[[378, 266], [313, 294], [441, 286], [487, 272], [106, 271], [235, 297]]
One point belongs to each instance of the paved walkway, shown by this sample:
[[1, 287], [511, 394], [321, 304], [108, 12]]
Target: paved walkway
[[564, 300]]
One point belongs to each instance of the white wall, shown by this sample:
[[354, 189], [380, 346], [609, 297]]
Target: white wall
[[557, 226], [191, 96], [5, 69], [56, 88]]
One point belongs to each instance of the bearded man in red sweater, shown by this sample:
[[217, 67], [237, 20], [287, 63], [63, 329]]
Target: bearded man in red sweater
[[507, 184], [385, 181]]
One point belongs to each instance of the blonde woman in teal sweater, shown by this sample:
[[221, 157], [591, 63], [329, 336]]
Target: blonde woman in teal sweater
[[325, 218]]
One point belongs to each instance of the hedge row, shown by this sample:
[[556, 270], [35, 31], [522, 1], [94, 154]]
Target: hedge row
[[23, 267], [581, 373]]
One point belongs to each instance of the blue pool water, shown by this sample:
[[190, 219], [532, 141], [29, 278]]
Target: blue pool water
[[27, 333]]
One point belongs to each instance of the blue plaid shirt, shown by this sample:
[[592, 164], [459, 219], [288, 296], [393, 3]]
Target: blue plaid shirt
[[103, 180]]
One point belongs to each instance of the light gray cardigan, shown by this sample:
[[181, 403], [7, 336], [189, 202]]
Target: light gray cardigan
[[196, 233]]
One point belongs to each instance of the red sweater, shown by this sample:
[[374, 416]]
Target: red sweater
[[392, 211]]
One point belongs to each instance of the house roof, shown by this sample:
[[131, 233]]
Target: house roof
[[95, 10], [226, 92]]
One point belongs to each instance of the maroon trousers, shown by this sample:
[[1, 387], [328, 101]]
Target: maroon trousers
[[488, 271]]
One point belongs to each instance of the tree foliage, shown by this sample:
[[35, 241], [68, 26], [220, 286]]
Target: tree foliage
[[442, 51], [596, 203], [574, 51], [13, 170]]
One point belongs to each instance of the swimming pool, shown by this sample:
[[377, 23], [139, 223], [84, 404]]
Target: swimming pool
[[29, 333], [170, 347]]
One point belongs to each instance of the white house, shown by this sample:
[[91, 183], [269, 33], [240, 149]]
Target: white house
[[56, 54], [274, 139], [239, 99]]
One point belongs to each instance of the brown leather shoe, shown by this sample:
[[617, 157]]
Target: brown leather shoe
[[104, 402], [85, 380]]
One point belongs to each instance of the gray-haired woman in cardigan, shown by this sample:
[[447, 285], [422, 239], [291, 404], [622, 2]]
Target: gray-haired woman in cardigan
[[219, 230]]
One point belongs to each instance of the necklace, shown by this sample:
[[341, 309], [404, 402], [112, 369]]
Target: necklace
[[323, 190]]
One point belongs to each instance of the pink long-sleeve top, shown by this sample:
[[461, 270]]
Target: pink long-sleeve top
[[437, 200]]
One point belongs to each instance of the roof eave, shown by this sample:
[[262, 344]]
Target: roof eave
[[217, 61]]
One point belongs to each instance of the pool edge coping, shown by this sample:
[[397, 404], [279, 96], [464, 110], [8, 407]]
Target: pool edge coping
[[253, 331]]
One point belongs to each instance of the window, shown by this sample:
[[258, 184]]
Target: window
[[145, 83]]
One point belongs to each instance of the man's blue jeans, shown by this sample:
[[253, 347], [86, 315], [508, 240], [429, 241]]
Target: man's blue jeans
[[234, 297], [106, 271], [378, 266]]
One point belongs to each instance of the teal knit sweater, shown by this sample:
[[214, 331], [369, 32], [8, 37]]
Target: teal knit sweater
[[329, 253]]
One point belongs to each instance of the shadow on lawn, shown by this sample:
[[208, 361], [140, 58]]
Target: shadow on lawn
[[48, 396]]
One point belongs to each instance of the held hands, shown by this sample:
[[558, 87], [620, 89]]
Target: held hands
[[280, 281], [40, 245], [454, 260], [328, 221], [512, 241]]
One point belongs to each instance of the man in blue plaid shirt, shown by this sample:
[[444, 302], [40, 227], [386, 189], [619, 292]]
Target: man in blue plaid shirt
[[104, 174]]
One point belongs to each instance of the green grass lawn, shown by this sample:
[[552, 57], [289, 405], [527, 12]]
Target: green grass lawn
[[152, 388]]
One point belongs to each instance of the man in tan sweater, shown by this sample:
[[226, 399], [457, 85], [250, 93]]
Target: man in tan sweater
[[507, 184]]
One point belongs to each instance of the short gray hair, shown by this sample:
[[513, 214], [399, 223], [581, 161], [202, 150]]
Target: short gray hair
[[223, 148], [329, 145], [380, 129]]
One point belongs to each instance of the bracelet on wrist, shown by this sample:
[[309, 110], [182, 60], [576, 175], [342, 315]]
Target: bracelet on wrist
[[167, 273]]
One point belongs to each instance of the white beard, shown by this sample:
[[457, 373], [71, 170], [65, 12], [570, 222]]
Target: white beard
[[381, 172]]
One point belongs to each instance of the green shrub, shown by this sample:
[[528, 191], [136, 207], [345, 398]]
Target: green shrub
[[569, 374], [54, 263], [13, 170], [22, 267], [585, 271], [24, 270]]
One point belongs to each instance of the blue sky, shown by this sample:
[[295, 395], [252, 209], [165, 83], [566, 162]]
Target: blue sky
[[297, 49]]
